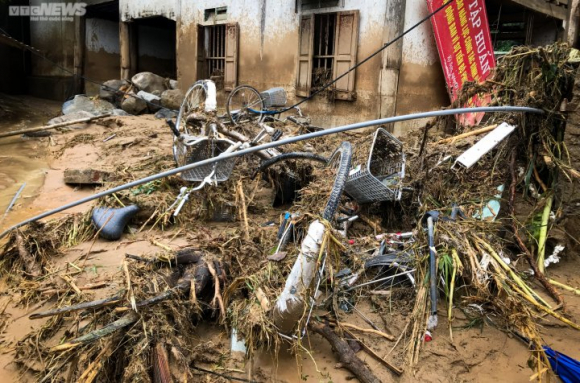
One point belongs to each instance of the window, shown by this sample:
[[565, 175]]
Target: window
[[215, 14], [217, 53], [317, 4], [327, 48]]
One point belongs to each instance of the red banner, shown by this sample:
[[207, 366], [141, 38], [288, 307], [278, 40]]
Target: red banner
[[464, 44]]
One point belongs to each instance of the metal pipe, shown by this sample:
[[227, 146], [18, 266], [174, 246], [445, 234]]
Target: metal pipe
[[432, 266], [268, 145]]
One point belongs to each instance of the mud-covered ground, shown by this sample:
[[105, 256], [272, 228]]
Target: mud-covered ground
[[478, 352]]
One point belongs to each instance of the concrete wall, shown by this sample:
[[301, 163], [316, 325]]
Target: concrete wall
[[131, 9], [269, 43], [421, 80], [102, 59]]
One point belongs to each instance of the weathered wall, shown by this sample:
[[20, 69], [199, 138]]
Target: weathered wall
[[131, 9], [421, 81], [267, 52], [102, 60], [156, 50]]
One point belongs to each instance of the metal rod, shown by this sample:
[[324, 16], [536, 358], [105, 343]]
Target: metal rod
[[380, 280], [432, 266], [269, 145], [13, 201]]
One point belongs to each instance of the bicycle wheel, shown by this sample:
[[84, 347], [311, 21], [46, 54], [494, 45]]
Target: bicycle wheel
[[194, 99], [245, 105], [345, 152]]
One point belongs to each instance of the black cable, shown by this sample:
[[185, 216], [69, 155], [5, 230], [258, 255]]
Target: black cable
[[369, 57], [288, 156]]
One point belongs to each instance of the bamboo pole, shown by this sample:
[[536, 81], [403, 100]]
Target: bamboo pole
[[54, 126], [467, 134], [544, 233]]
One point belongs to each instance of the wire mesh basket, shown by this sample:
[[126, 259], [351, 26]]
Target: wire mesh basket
[[274, 97], [202, 149], [381, 179]]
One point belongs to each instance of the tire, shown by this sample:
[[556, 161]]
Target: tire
[[241, 99], [345, 152], [194, 97]]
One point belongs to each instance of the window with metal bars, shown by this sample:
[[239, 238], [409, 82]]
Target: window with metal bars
[[323, 57], [216, 50]]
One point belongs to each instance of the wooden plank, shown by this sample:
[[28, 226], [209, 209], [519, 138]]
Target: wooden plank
[[543, 7]]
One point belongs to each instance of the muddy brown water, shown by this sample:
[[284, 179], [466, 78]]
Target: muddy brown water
[[22, 159]]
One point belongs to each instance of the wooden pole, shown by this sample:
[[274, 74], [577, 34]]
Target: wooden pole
[[54, 126], [125, 48]]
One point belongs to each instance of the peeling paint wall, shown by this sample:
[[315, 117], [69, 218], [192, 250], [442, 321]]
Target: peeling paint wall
[[421, 80], [102, 59], [131, 9]]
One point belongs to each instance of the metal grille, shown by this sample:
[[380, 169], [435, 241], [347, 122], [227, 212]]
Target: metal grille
[[385, 169], [216, 49], [201, 150]]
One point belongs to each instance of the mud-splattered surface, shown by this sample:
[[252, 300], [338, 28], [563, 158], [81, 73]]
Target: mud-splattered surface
[[478, 352]]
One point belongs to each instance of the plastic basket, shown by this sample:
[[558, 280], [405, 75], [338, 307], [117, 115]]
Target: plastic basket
[[200, 150], [274, 97], [381, 179]]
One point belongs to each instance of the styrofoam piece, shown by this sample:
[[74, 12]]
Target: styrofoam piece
[[490, 141], [211, 100]]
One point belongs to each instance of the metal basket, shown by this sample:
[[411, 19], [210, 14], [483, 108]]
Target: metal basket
[[202, 149], [385, 169], [274, 97]]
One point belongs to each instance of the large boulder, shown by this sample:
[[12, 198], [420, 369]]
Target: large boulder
[[109, 90], [134, 105], [149, 82], [172, 99], [153, 100]]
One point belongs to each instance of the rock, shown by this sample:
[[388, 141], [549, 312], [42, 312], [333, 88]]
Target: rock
[[108, 91], [172, 99], [172, 84], [86, 177], [148, 82], [165, 114], [134, 105], [83, 103], [153, 101], [119, 112], [70, 117]]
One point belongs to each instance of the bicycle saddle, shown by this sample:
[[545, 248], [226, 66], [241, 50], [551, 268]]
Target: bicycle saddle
[[111, 222]]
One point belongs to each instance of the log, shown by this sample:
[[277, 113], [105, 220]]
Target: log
[[30, 264], [372, 353], [81, 306], [126, 320], [186, 256], [346, 356], [54, 126]]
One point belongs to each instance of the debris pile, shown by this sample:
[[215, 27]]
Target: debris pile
[[449, 235]]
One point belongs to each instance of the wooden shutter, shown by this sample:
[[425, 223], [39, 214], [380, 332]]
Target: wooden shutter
[[201, 53], [231, 61], [346, 43], [305, 52]]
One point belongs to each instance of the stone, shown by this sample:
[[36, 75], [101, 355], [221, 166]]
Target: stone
[[172, 84], [134, 105], [148, 82], [108, 90], [172, 99], [82, 103], [119, 112], [86, 177], [164, 114], [153, 101]]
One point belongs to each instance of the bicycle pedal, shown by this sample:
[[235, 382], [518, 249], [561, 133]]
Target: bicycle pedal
[[277, 134]]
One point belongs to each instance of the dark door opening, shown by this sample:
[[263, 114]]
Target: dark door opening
[[155, 39]]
